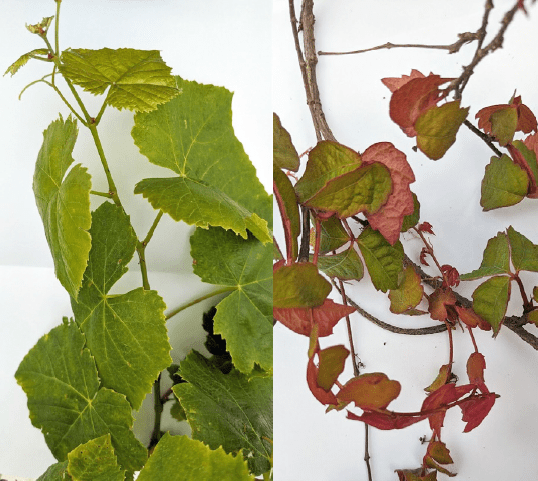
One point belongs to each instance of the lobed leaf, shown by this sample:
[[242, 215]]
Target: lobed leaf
[[243, 317], [63, 202], [228, 410], [183, 459], [476, 409], [59, 376], [504, 184], [384, 261], [137, 80], [437, 128], [490, 300], [284, 154], [193, 136], [125, 333]]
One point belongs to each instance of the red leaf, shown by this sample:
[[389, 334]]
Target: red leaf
[[394, 83], [476, 409], [531, 142], [439, 300], [526, 121], [471, 318], [388, 220], [387, 420], [323, 396], [326, 316], [370, 391], [451, 275], [475, 370], [426, 227], [413, 98], [423, 253]]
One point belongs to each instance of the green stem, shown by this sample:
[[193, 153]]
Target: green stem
[[101, 194], [141, 250], [102, 111], [57, 29], [64, 99], [152, 229], [196, 301]]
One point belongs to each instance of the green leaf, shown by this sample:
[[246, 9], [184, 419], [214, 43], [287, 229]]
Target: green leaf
[[126, 333], [496, 259], [530, 158], [23, 60], [437, 128], [284, 154], [409, 293], [326, 161], [197, 203], [346, 265], [42, 27], [63, 202], [55, 472], [228, 410], [504, 184], [331, 365], [504, 124], [139, 80], [95, 461], [364, 189], [60, 378], [333, 235], [490, 300], [384, 261], [244, 317], [179, 458], [524, 252], [299, 285], [193, 136], [411, 220], [290, 214]]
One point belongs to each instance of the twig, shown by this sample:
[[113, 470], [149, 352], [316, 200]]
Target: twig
[[485, 137], [356, 370], [367, 451]]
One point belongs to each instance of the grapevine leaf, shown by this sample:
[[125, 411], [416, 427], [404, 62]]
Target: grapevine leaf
[[475, 410], [364, 189], [524, 252], [526, 120], [290, 208], [496, 259], [193, 136], [325, 317], [411, 220], [125, 333], [197, 203], [183, 459], [504, 184], [490, 300], [299, 285], [437, 128], [388, 220], [333, 235], [139, 80], [23, 60], [95, 461], [384, 261], [63, 201], [471, 318], [326, 161], [60, 378], [243, 317], [55, 472], [370, 391], [408, 294], [284, 154], [413, 98], [345, 265], [331, 365], [228, 410]]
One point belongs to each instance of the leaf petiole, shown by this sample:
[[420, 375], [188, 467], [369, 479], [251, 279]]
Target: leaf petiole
[[196, 301]]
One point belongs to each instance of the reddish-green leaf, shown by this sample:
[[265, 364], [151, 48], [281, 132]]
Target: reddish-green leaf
[[325, 317], [322, 395], [505, 183], [326, 161], [438, 451], [408, 475], [284, 154], [475, 370], [394, 83], [441, 379], [524, 252], [526, 120], [526, 159], [490, 300], [412, 219], [437, 128], [299, 285], [370, 391], [439, 301], [476, 409], [496, 259], [289, 210], [471, 318], [389, 219], [387, 420], [331, 365], [409, 292], [504, 124]]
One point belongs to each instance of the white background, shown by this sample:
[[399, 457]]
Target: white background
[[309, 444], [214, 42]]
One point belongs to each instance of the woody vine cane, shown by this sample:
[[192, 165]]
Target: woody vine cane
[[341, 187]]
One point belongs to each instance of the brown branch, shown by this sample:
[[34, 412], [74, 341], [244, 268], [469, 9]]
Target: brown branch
[[485, 137]]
